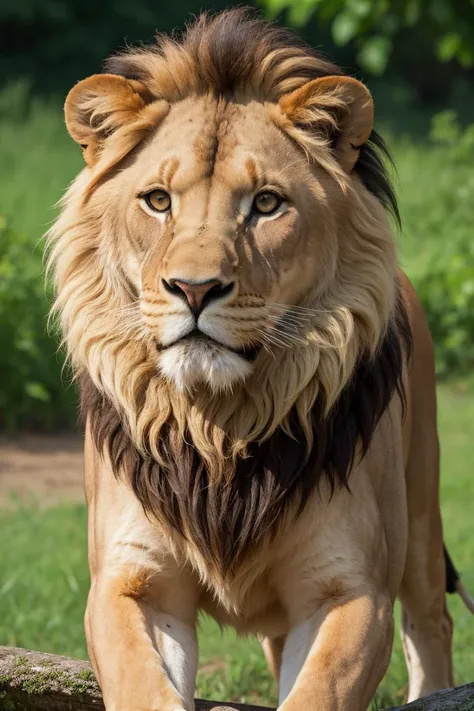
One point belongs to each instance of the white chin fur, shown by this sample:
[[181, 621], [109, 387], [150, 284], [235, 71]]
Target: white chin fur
[[192, 363]]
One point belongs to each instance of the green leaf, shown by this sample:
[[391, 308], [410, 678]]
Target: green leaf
[[37, 391], [465, 56], [300, 11], [274, 7], [345, 27], [361, 8], [448, 46], [374, 54]]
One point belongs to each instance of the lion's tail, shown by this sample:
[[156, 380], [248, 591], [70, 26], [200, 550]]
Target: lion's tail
[[454, 584]]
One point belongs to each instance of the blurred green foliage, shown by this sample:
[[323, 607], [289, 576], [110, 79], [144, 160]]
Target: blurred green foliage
[[447, 293], [38, 160], [376, 25], [54, 43], [32, 392], [446, 285]]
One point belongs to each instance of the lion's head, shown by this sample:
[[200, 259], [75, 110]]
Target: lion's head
[[224, 261]]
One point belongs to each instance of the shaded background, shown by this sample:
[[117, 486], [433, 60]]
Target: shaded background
[[417, 58]]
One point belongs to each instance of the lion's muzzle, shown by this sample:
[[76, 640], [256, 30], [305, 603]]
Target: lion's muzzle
[[198, 294]]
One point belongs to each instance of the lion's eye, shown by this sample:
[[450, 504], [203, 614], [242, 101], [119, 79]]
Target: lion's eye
[[158, 200], [266, 203]]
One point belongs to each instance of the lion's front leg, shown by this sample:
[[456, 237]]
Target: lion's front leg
[[335, 660], [142, 606], [145, 659]]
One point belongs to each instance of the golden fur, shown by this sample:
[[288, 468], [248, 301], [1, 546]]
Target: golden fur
[[218, 463], [345, 317]]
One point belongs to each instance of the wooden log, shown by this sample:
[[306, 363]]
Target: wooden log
[[459, 699], [33, 681]]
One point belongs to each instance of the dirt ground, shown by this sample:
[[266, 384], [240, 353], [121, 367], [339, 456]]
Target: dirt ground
[[46, 468]]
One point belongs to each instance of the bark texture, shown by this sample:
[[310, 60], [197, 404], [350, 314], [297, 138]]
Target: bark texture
[[33, 681]]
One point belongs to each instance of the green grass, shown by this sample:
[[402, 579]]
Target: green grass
[[434, 193], [44, 580], [38, 160]]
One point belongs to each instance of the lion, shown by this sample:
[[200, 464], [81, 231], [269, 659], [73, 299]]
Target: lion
[[257, 376]]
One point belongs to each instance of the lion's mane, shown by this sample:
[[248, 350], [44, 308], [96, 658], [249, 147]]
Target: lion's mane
[[224, 469]]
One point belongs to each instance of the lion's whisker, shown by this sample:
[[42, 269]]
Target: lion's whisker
[[270, 339], [293, 320], [279, 340], [302, 318], [289, 318], [268, 349], [288, 328], [290, 338]]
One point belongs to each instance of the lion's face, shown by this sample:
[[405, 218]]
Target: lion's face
[[223, 224], [221, 234]]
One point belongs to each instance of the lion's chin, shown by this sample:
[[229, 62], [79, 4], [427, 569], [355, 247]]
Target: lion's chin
[[190, 364]]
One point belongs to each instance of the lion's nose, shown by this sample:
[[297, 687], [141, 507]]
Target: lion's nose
[[198, 294]]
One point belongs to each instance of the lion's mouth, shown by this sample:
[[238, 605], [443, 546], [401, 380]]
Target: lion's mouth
[[249, 353]]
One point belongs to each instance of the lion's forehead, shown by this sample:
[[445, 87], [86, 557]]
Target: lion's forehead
[[205, 139]]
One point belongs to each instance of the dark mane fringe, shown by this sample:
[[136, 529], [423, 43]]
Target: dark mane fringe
[[226, 522], [228, 48]]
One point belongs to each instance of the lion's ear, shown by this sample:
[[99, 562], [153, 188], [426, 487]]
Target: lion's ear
[[98, 106], [340, 107]]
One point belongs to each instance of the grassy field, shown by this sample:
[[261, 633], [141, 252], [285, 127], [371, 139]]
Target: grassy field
[[44, 580]]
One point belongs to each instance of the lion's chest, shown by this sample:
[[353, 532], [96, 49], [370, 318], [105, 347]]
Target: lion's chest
[[259, 611]]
